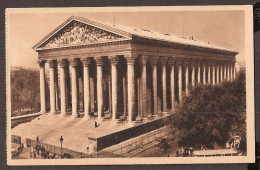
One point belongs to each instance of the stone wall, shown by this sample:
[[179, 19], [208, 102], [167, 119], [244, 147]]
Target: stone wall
[[118, 137], [23, 119]]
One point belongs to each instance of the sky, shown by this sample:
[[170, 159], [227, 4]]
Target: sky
[[224, 28]]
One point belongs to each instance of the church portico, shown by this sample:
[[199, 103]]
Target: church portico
[[103, 72]]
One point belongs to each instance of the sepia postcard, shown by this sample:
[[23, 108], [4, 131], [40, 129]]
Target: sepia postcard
[[130, 85]]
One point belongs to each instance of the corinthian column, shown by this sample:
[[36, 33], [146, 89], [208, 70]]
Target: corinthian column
[[42, 86], [193, 73], [153, 61], [180, 92], [221, 72], [163, 61], [114, 62], [86, 63], [186, 68], [144, 85], [130, 86], [62, 65], [99, 63], [74, 89], [228, 72], [171, 65], [217, 68], [204, 73], [225, 72], [198, 73], [52, 86], [209, 73], [213, 73]]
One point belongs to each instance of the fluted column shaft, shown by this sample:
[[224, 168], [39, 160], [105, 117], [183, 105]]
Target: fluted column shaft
[[213, 74], [204, 73], [130, 86], [228, 72], [52, 86], [42, 86], [209, 74], [193, 74], [225, 72], [163, 61], [232, 72], [171, 64], [114, 62], [199, 73], [144, 85], [153, 61], [180, 92], [100, 102], [221, 73], [217, 68], [62, 65], [186, 68], [74, 88], [86, 86]]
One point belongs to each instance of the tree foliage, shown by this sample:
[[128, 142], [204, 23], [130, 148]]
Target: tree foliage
[[25, 89], [210, 115]]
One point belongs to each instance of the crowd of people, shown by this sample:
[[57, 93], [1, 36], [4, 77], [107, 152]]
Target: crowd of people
[[40, 151]]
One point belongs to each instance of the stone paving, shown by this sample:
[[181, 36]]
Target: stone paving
[[75, 131]]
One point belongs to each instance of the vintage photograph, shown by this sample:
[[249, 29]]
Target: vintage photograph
[[130, 85]]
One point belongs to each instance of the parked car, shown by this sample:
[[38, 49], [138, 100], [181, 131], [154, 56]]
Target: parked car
[[162, 143]]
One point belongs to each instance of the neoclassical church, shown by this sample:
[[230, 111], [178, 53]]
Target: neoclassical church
[[97, 70]]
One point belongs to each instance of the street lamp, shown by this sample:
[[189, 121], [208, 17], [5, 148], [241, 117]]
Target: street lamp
[[61, 140]]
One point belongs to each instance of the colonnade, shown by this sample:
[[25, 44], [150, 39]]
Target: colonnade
[[187, 71]]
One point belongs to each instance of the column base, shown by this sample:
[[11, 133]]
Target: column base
[[115, 120], [100, 119], [86, 117], [62, 114], [53, 112], [130, 124], [43, 112]]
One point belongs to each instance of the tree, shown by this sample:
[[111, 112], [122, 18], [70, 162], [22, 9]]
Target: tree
[[210, 115]]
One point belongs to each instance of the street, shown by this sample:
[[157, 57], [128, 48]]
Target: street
[[155, 152]]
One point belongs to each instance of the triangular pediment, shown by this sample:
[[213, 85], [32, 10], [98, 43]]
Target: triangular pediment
[[75, 32]]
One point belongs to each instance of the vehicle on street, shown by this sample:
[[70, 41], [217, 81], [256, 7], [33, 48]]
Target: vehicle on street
[[162, 143]]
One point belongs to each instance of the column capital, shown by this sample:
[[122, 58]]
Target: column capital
[[113, 59], [62, 63], [186, 62], [163, 60], [41, 63], [144, 59], [130, 59], [171, 60], [73, 62], [99, 60], [192, 62], [51, 63], [154, 60], [198, 62], [85, 61], [179, 61]]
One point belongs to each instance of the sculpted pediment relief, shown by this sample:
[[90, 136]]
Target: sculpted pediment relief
[[76, 33]]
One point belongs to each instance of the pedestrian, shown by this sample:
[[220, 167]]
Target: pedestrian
[[31, 151], [34, 153], [96, 125]]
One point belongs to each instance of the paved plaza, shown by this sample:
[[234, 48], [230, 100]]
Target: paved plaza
[[75, 131]]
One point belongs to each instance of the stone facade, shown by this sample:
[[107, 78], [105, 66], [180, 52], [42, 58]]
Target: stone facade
[[123, 74]]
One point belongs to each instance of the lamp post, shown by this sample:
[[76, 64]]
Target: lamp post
[[61, 140]]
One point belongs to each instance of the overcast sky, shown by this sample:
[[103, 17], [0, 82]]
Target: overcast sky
[[221, 28]]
